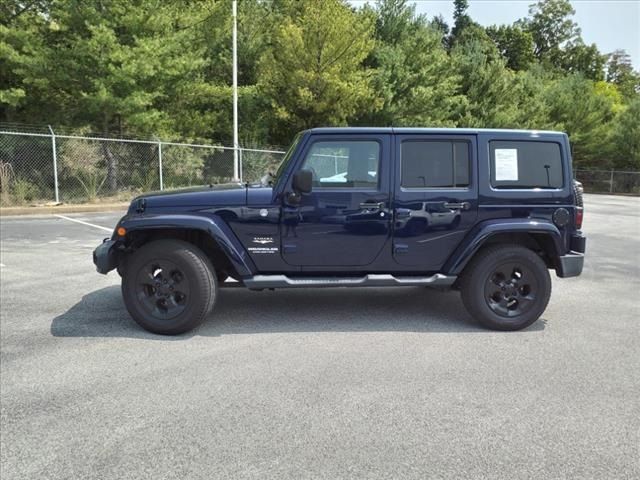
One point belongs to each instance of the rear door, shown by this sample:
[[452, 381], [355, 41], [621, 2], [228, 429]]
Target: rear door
[[346, 220], [435, 196]]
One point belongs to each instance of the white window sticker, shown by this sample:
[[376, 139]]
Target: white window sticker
[[506, 164]]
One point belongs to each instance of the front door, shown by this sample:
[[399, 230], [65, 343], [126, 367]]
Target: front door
[[435, 197], [345, 220]]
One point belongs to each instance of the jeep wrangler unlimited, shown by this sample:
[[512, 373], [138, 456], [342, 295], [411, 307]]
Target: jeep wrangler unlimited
[[487, 212]]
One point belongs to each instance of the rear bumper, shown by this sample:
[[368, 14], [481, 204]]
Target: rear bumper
[[570, 265], [105, 257], [578, 243]]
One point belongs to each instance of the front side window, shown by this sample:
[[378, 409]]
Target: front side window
[[344, 164], [525, 164], [434, 164]]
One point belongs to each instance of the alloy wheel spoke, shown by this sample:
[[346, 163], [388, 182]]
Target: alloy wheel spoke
[[526, 300], [148, 277], [510, 289], [182, 288], [162, 289], [523, 278]]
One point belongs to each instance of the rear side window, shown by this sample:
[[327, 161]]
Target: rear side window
[[525, 164], [434, 164]]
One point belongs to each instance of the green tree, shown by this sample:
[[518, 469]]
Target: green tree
[[395, 20], [551, 26], [109, 65], [312, 73], [620, 72], [486, 85], [558, 42], [515, 44], [585, 59], [626, 137], [585, 112], [495, 96], [22, 30], [411, 70], [440, 25], [461, 19], [528, 91]]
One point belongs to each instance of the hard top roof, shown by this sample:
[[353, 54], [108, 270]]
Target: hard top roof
[[419, 130]]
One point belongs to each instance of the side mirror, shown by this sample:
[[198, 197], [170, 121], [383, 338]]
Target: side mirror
[[302, 181]]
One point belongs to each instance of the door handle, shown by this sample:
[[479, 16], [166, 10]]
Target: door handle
[[457, 206], [372, 206]]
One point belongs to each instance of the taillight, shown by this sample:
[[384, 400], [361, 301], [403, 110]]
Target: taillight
[[579, 217]]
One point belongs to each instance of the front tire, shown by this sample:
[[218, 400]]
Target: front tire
[[169, 286], [506, 287]]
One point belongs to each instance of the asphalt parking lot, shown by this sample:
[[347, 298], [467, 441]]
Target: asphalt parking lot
[[335, 383]]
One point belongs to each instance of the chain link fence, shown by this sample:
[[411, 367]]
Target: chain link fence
[[609, 181], [40, 168]]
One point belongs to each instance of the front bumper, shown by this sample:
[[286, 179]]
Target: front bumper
[[105, 257]]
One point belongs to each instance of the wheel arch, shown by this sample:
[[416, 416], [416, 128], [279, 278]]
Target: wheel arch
[[211, 235], [540, 236]]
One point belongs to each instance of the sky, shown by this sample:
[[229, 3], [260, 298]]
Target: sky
[[610, 24]]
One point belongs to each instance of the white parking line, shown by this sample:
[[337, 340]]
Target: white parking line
[[84, 223]]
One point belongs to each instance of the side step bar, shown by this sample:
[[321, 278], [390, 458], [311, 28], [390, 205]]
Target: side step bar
[[258, 282]]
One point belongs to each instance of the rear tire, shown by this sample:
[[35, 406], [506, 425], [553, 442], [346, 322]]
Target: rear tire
[[506, 287], [169, 286]]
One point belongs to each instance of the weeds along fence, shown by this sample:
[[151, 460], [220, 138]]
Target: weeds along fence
[[50, 167]]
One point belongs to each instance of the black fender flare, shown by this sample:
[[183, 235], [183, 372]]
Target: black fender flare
[[483, 231], [211, 225]]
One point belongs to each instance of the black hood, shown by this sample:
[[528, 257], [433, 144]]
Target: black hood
[[209, 196]]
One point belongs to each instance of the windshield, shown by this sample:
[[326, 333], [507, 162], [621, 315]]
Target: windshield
[[287, 157]]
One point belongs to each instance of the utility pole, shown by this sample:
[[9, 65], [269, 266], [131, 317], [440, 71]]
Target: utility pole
[[236, 158], [55, 165]]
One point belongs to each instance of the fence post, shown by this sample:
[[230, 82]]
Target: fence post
[[55, 164], [160, 164], [611, 183], [240, 172]]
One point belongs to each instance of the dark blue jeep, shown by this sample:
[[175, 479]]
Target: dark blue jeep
[[484, 211]]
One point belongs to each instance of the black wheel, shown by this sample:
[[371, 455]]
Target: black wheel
[[169, 286], [506, 287]]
